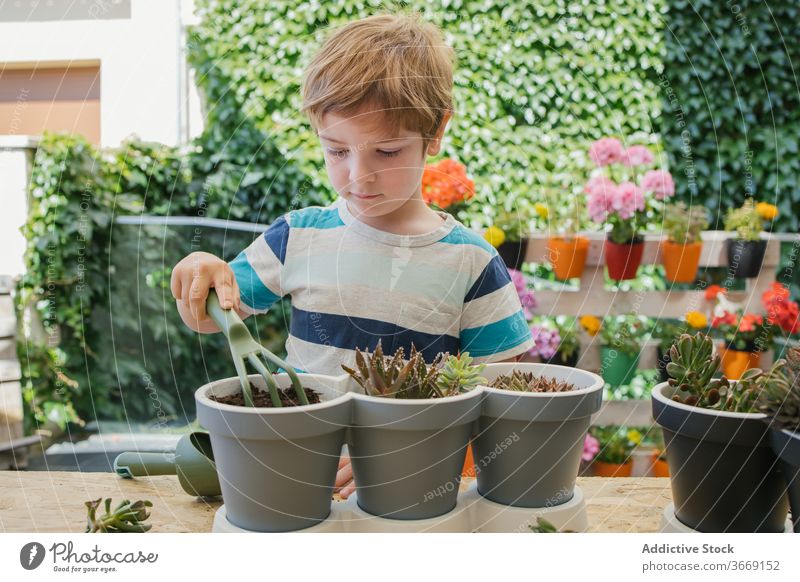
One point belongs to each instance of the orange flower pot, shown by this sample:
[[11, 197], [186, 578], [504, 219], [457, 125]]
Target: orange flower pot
[[660, 467], [681, 261], [469, 464], [602, 469], [735, 362], [568, 256]]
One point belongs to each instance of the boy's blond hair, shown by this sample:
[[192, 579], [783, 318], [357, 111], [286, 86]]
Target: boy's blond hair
[[398, 64]]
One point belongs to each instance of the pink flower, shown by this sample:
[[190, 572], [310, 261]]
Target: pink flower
[[526, 296], [601, 202], [660, 183], [605, 151], [637, 155], [629, 199], [591, 446], [599, 183]]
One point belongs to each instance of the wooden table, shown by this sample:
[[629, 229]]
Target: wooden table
[[40, 501]]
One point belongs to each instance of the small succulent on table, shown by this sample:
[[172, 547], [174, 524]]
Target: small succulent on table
[[779, 397], [126, 518], [544, 526], [519, 381], [692, 368], [394, 377]]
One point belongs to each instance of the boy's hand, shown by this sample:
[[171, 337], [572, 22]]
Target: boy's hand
[[345, 486], [191, 279]]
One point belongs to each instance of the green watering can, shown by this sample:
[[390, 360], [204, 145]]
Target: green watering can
[[192, 462]]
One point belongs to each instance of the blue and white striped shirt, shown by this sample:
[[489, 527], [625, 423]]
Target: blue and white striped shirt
[[351, 284]]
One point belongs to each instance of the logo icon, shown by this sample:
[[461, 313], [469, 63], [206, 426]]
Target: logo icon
[[31, 555]]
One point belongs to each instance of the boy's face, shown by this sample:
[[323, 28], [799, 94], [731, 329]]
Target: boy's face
[[375, 173]]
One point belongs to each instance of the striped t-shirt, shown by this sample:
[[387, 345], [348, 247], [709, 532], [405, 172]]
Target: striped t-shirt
[[351, 284]]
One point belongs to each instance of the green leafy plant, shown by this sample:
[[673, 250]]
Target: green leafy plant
[[616, 443], [779, 392], [568, 331], [519, 381], [127, 517], [667, 331], [692, 371], [623, 333], [745, 221], [394, 377], [514, 223], [544, 526], [683, 225]]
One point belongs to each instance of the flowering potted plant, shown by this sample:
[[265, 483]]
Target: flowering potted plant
[[445, 185], [527, 298], [555, 343], [410, 429], [620, 339], [746, 335], [680, 252], [746, 250], [509, 234], [623, 205], [566, 250], [724, 475], [616, 446], [779, 400]]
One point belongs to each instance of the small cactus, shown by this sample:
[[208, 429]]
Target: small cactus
[[779, 397], [692, 371], [518, 381]]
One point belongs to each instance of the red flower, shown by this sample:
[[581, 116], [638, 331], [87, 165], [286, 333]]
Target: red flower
[[776, 293], [713, 291], [727, 318], [749, 322]]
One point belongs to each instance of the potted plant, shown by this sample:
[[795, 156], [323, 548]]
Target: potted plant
[[566, 250], [616, 446], [659, 466], [746, 250], [724, 475], [569, 349], [555, 344], [411, 425], [746, 336], [531, 433], [620, 347], [779, 400], [680, 252], [509, 234], [276, 464], [666, 331], [623, 204]]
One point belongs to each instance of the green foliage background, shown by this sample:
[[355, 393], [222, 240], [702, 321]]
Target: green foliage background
[[535, 84]]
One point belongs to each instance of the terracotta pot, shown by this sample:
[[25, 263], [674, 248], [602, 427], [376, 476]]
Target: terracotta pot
[[568, 256], [469, 463], [623, 260], [735, 362], [660, 466], [681, 261], [602, 469]]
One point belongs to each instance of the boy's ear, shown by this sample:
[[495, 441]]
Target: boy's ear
[[436, 142]]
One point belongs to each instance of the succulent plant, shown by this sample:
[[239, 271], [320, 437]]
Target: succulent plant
[[519, 381], [779, 397], [460, 374], [544, 526], [126, 518], [692, 372], [394, 377]]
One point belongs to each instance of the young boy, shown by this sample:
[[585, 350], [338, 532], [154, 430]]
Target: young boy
[[377, 264]]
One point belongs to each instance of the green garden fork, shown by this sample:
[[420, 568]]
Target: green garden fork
[[244, 346]]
